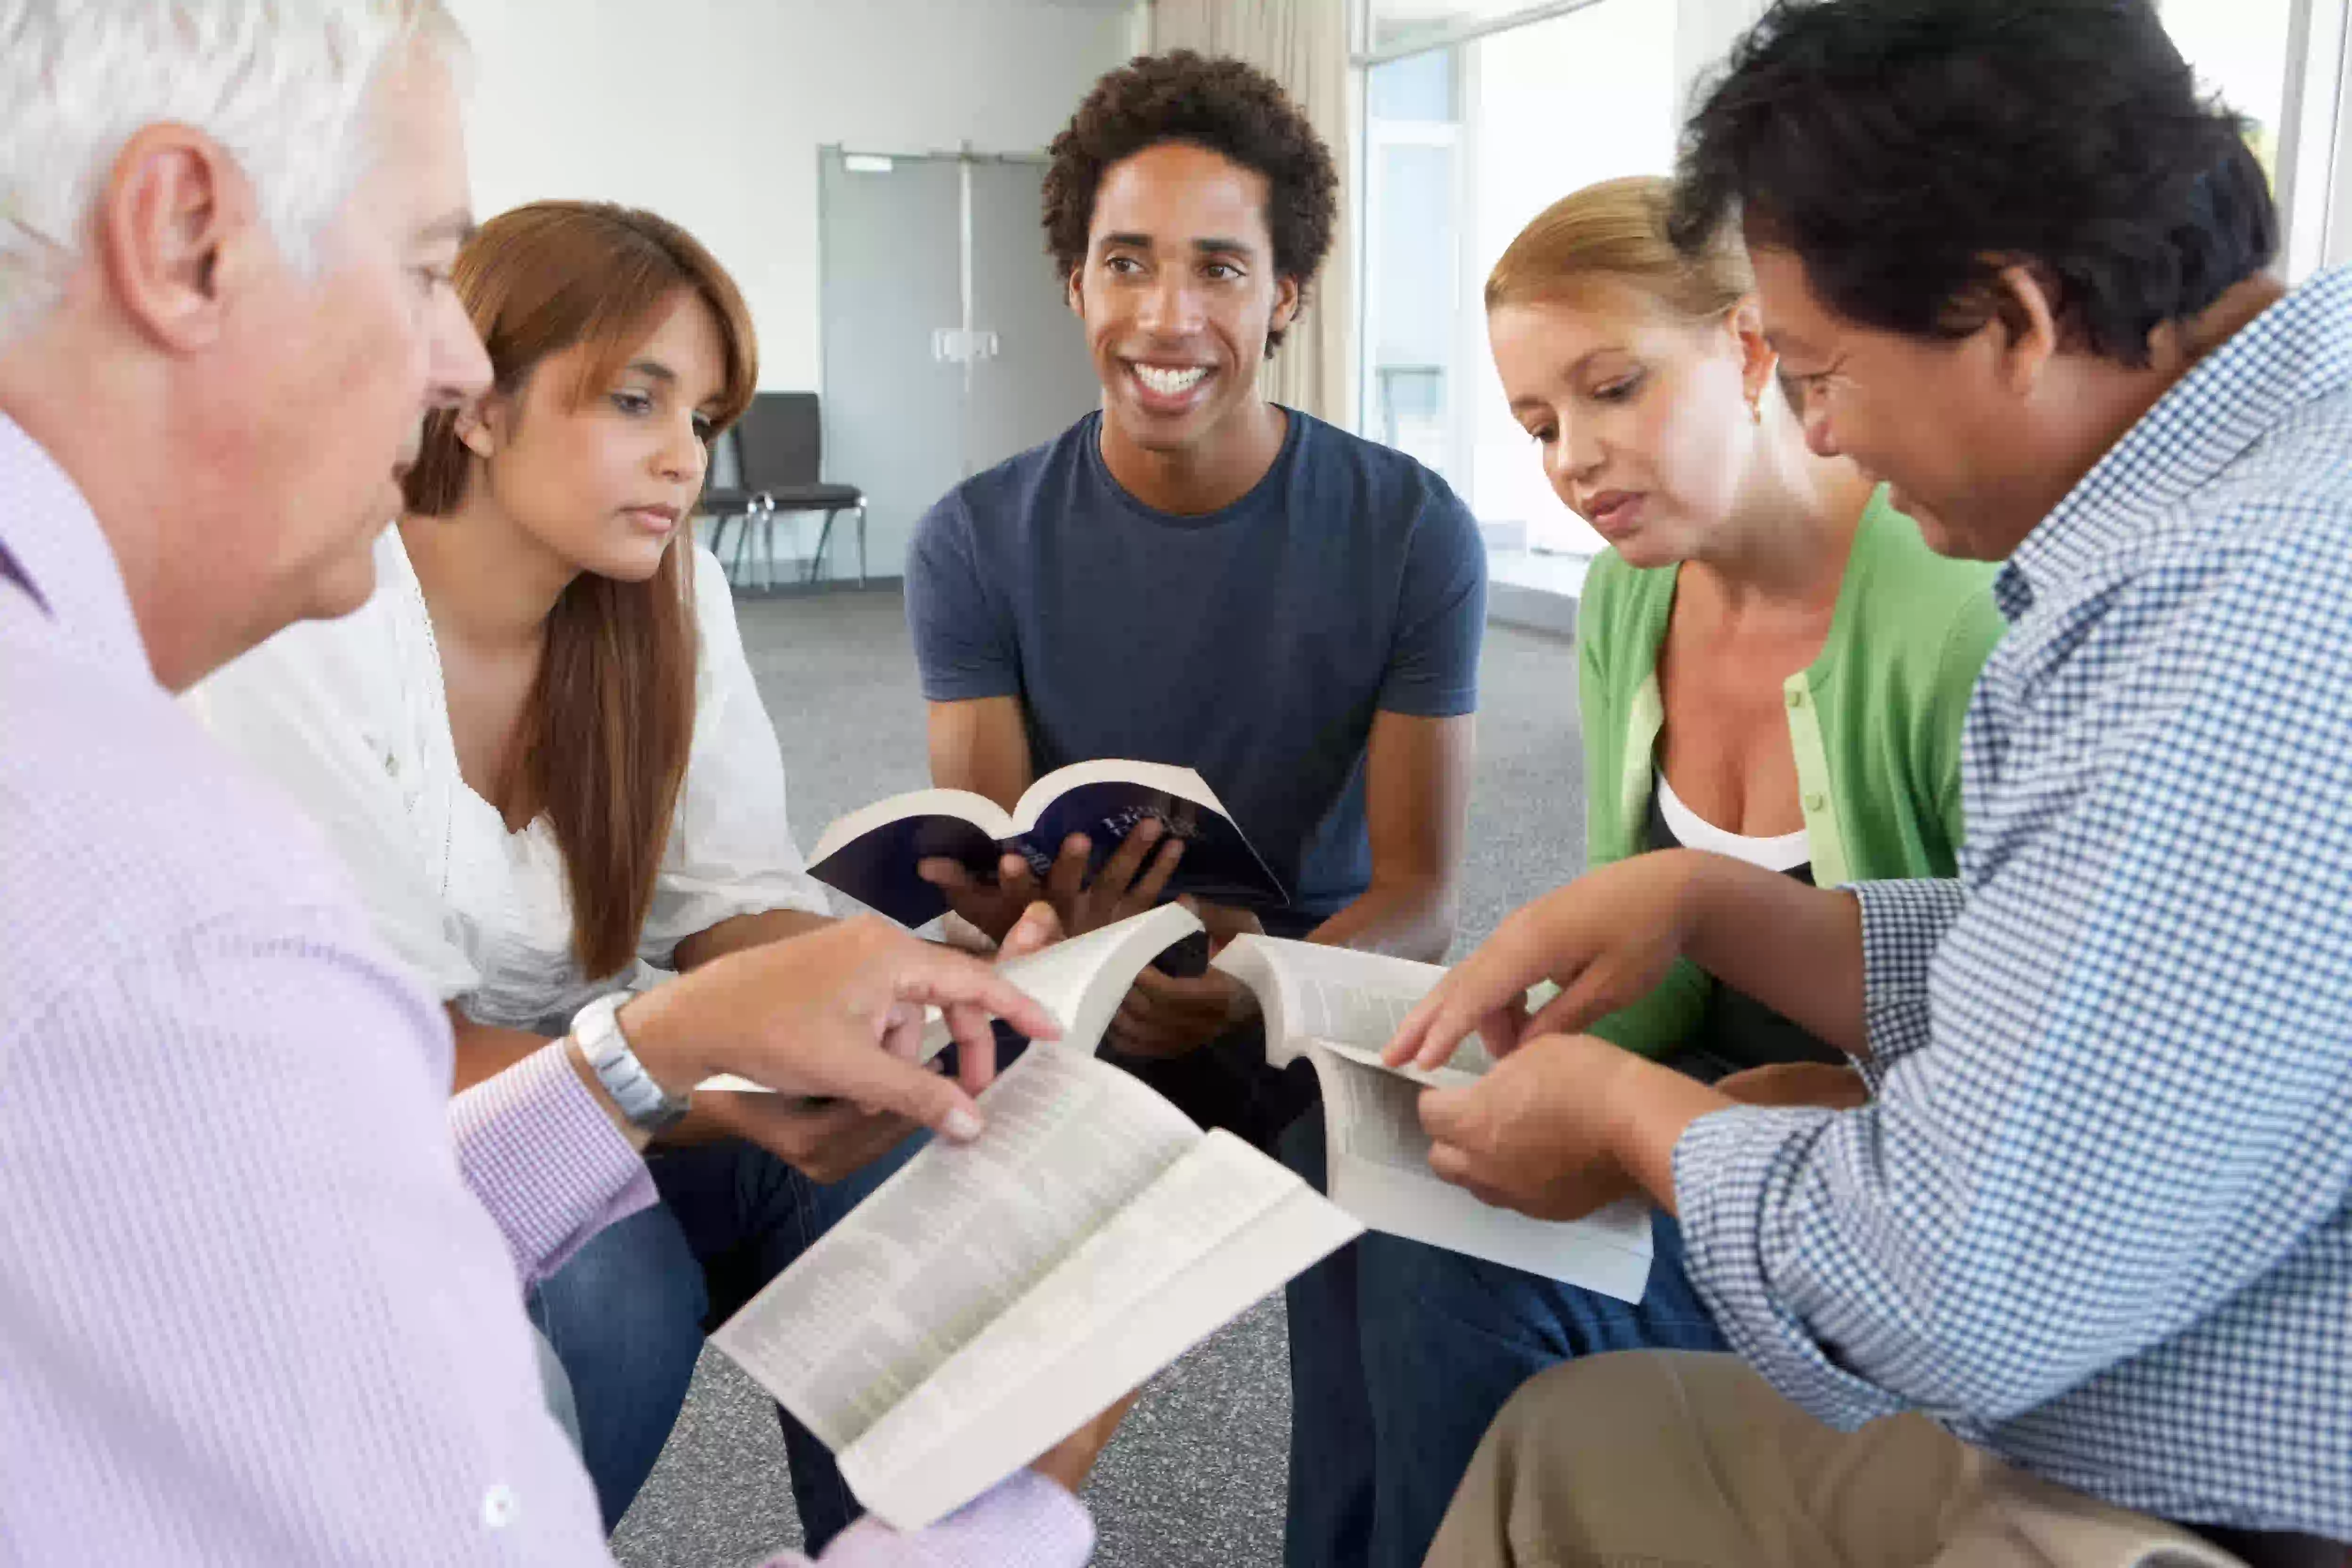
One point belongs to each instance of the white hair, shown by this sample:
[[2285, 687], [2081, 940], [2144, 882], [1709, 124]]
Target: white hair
[[283, 84]]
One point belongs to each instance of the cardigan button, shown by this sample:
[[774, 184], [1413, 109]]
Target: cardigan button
[[1815, 801], [1797, 696]]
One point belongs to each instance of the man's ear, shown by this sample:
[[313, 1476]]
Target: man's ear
[[1287, 297], [1074, 295], [2025, 305], [179, 233]]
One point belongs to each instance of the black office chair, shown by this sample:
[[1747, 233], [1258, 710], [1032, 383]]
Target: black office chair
[[777, 461]]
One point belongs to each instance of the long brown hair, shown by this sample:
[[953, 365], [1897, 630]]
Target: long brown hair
[[610, 720]]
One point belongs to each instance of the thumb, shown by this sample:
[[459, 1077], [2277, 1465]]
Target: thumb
[[1039, 927], [1445, 1112], [881, 1082]]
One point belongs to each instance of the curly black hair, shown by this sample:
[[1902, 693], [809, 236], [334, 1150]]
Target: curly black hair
[[1229, 108], [1905, 150]]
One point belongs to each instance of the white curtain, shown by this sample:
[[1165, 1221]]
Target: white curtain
[[1303, 45]]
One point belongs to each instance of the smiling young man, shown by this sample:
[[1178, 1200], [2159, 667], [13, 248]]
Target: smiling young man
[[1196, 575]]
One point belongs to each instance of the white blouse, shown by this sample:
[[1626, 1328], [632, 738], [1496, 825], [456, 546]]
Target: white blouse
[[350, 717]]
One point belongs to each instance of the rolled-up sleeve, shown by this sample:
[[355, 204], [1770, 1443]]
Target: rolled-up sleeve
[[2133, 1107], [1902, 922]]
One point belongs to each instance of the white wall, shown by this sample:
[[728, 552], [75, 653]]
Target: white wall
[[711, 113], [1704, 31]]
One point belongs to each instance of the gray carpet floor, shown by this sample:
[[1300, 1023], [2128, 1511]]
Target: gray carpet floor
[[1196, 1476]]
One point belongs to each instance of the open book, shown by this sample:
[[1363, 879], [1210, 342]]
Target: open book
[[871, 853], [1339, 1008], [1080, 982], [991, 1297]]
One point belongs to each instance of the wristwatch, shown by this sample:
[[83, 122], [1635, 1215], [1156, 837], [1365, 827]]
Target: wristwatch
[[649, 1109]]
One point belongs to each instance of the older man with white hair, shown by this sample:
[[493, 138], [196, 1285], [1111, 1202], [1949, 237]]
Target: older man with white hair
[[259, 1292]]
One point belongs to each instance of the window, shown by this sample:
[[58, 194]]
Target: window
[[2238, 48], [1478, 113], [1464, 143], [2280, 63]]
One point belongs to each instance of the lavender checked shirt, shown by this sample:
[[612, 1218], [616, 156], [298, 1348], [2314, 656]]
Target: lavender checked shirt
[[261, 1279]]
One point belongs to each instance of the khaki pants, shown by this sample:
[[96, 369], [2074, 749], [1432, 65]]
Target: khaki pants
[[1675, 1459]]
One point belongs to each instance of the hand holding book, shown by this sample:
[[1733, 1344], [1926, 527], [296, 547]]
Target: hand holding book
[[1103, 840], [1176, 1008], [1131, 881]]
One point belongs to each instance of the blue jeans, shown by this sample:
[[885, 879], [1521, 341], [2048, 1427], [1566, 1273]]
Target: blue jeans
[[1400, 1355], [626, 1314]]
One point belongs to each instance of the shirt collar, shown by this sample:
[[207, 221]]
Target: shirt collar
[[62, 557], [2298, 351]]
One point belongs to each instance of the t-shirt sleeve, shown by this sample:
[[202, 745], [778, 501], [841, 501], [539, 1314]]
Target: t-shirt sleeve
[[731, 850], [316, 711], [1442, 615], [964, 644]]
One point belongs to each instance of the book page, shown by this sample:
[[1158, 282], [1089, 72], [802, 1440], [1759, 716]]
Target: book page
[[969, 805], [1080, 982], [1162, 776], [1379, 1172], [919, 1269], [1353, 1001], [1219, 1229]]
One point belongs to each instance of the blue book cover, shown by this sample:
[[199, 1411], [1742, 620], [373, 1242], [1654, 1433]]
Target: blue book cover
[[871, 854]]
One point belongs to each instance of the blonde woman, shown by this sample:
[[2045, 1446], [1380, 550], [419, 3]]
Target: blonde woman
[[1771, 665]]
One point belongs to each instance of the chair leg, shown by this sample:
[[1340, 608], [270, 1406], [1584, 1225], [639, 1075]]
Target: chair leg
[[742, 541], [824, 537], [861, 544]]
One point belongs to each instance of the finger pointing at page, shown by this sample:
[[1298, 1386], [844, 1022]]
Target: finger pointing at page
[[814, 1016]]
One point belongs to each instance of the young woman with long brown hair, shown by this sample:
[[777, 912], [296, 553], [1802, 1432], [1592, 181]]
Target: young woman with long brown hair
[[540, 751]]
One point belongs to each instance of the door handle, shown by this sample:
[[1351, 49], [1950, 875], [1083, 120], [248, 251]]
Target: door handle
[[956, 345]]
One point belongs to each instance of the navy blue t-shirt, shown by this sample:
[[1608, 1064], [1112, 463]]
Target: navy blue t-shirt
[[1252, 645]]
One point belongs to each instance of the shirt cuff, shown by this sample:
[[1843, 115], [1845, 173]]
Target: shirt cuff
[[1734, 1173], [1902, 925], [1025, 1521], [541, 1154]]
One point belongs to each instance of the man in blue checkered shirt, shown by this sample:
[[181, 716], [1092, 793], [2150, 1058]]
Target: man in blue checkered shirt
[[2080, 1271]]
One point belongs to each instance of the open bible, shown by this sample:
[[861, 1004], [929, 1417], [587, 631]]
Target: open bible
[[991, 1297], [872, 853], [1080, 982], [1339, 1008]]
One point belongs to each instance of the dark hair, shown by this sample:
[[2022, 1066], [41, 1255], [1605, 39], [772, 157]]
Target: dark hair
[[1905, 150], [1229, 108], [610, 720]]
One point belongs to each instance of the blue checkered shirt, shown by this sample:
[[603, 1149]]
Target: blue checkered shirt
[[2096, 1218]]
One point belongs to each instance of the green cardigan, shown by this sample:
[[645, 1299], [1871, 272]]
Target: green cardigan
[[1874, 721]]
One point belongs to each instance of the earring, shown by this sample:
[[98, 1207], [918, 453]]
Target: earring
[[1755, 408]]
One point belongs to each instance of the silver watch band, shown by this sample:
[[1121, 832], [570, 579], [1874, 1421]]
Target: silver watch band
[[624, 1078]]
